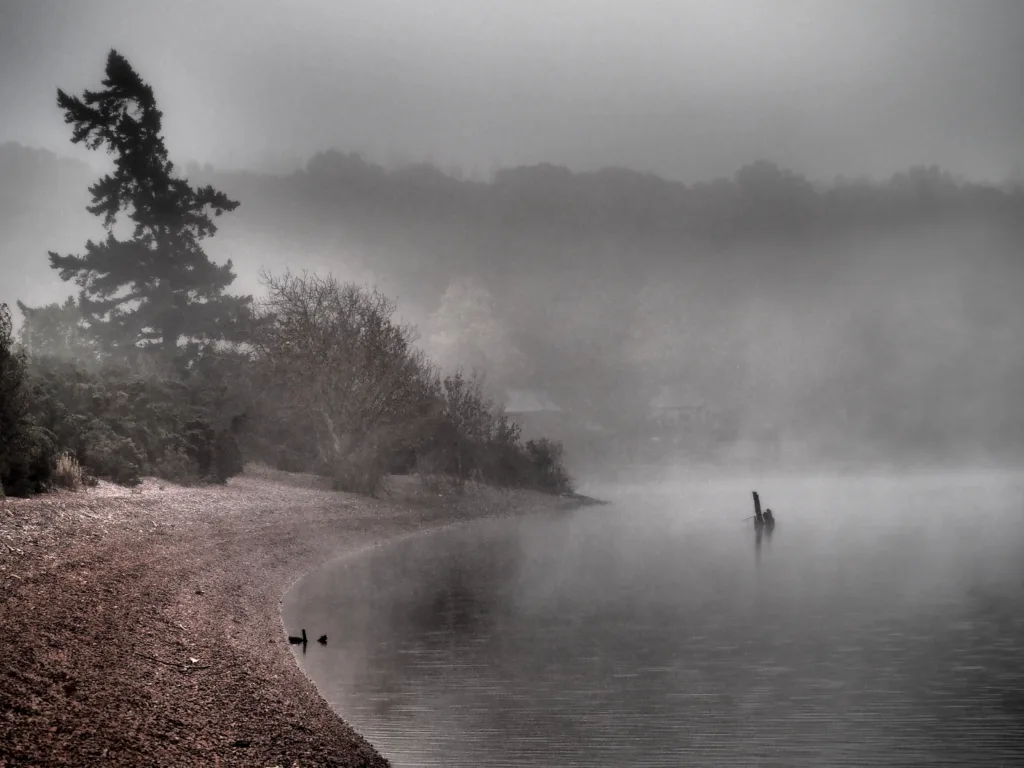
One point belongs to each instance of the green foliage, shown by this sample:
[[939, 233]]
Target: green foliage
[[27, 452], [121, 425], [177, 466], [545, 466], [159, 285], [327, 383], [30, 462], [57, 330], [110, 455], [467, 437], [458, 432]]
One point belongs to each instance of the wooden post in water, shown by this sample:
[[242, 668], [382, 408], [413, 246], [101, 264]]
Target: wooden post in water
[[758, 517]]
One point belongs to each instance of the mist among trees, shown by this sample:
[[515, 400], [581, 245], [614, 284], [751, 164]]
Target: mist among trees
[[764, 316], [156, 368]]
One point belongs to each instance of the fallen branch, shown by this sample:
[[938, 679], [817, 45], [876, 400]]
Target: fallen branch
[[158, 661], [182, 667]]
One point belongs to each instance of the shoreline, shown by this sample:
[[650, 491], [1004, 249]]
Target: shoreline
[[565, 502], [146, 627]]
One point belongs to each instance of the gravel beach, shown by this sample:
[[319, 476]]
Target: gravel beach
[[142, 626]]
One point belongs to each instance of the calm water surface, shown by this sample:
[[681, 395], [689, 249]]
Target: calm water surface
[[881, 624]]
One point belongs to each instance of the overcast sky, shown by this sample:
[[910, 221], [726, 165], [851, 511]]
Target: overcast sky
[[688, 89]]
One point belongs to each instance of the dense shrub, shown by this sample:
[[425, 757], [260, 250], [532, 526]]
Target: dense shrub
[[112, 456], [337, 387], [122, 425], [468, 438], [29, 462], [177, 466], [546, 466], [27, 453], [327, 383]]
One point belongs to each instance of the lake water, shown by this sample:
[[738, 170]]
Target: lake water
[[880, 624]]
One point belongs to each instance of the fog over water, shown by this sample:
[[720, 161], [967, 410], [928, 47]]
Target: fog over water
[[879, 624], [710, 247]]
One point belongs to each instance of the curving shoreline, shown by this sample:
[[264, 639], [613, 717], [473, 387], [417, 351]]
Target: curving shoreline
[[145, 627]]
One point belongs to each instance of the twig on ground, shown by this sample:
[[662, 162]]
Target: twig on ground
[[183, 667], [154, 658]]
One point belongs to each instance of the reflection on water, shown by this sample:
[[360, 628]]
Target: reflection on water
[[884, 628], [761, 532]]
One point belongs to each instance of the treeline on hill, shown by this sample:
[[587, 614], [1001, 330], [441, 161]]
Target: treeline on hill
[[761, 201], [155, 369]]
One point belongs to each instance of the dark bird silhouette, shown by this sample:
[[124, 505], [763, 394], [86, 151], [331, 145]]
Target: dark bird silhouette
[[322, 639], [298, 640]]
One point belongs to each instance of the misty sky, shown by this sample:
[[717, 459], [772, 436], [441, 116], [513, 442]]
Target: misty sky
[[688, 89]]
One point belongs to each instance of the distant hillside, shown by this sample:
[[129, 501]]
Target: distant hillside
[[864, 312], [416, 227]]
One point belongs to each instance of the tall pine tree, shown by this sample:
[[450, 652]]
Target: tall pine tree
[[158, 286]]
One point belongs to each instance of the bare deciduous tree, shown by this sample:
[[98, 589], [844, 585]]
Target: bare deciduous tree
[[337, 363]]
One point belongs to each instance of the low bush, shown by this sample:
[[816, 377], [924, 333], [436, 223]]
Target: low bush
[[68, 472], [467, 437], [547, 467], [121, 425], [29, 462], [326, 383], [176, 465]]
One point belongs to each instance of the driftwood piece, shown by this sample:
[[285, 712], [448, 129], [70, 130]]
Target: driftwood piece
[[758, 517], [183, 667]]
